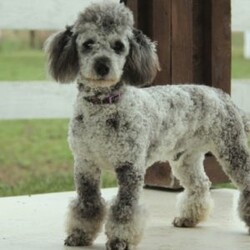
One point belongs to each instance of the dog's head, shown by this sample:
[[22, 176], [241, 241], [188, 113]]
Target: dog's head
[[102, 48]]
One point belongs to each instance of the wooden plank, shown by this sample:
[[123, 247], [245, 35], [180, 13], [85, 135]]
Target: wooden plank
[[207, 42], [145, 16], [221, 44], [159, 175], [148, 15], [214, 170], [133, 5], [161, 32], [198, 58], [182, 41]]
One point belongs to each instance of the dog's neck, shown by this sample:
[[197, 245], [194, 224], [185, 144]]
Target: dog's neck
[[98, 96]]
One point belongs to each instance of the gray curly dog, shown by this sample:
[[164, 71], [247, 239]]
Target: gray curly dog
[[117, 124]]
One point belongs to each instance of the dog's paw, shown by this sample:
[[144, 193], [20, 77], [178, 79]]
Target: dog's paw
[[78, 238], [184, 222], [118, 244]]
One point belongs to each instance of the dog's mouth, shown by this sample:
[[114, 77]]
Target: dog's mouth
[[100, 82]]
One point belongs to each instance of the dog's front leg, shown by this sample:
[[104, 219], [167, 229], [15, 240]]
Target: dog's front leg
[[87, 211], [125, 222]]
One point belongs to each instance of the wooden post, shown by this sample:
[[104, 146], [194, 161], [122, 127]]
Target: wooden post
[[154, 19], [32, 37], [194, 46], [221, 44]]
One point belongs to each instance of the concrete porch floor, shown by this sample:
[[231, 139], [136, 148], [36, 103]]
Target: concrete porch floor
[[37, 222]]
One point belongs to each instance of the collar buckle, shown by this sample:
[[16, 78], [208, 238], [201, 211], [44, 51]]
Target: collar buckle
[[114, 98]]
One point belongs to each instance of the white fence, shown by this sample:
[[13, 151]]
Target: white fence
[[54, 14], [241, 21], [40, 14]]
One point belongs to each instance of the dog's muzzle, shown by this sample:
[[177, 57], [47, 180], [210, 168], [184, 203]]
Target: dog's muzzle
[[102, 66]]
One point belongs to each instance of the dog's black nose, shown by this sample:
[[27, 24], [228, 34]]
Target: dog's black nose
[[102, 66]]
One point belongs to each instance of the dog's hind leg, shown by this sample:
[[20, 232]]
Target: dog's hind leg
[[126, 217], [234, 156], [194, 203], [87, 211]]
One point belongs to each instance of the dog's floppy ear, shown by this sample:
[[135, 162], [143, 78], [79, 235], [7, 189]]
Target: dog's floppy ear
[[62, 56], [142, 62]]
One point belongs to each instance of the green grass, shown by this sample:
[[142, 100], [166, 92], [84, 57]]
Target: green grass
[[224, 185], [25, 65], [18, 62], [35, 158], [240, 66]]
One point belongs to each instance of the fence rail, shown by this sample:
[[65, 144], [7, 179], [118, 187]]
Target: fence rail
[[54, 14], [40, 15]]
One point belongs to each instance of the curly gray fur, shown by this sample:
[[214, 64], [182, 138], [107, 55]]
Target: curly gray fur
[[181, 123]]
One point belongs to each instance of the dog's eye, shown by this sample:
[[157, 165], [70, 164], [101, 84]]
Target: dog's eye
[[88, 45], [118, 47]]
